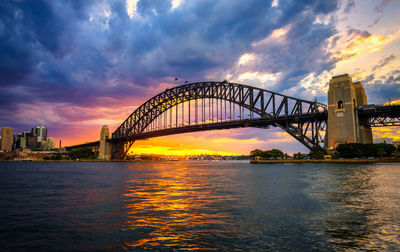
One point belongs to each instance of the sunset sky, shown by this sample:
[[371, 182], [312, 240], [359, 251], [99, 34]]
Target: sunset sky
[[77, 65]]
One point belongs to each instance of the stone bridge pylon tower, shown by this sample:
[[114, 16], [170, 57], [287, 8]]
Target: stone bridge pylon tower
[[105, 147], [343, 122]]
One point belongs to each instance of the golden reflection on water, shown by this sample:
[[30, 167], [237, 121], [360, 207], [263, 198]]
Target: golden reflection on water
[[177, 206], [170, 201]]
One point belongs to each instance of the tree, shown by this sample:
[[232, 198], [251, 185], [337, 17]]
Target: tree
[[275, 153], [81, 153], [365, 150], [317, 153], [256, 152], [381, 152], [298, 156]]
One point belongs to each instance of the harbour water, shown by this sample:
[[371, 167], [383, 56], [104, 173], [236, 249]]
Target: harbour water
[[193, 205]]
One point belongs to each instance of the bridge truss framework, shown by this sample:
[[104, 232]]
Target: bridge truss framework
[[220, 105]]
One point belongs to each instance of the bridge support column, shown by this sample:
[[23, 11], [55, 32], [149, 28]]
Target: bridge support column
[[343, 124], [364, 132], [105, 147]]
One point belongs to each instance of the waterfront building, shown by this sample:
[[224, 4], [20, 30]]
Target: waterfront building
[[49, 144], [6, 139]]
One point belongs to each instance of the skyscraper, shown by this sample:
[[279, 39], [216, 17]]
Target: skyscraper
[[41, 132], [6, 139], [20, 140]]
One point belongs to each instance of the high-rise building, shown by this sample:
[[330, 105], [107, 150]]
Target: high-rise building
[[6, 139], [20, 140], [41, 132], [31, 141]]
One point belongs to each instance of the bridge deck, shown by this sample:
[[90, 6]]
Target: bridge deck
[[375, 116], [255, 122]]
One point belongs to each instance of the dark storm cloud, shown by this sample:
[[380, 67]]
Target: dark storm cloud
[[303, 51], [356, 32], [70, 52], [380, 89]]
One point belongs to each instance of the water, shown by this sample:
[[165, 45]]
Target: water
[[72, 206]]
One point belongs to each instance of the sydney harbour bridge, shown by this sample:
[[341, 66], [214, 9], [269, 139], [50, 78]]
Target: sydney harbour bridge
[[222, 105]]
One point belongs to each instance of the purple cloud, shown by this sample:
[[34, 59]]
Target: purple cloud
[[92, 54]]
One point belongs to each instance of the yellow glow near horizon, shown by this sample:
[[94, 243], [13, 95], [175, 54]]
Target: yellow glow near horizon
[[168, 151], [395, 102], [388, 132]]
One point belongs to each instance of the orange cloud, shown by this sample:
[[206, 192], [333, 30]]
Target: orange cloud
[[360, 45]]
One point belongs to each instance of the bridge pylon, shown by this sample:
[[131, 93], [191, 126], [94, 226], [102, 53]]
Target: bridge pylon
[[344, 125], [105, 147]]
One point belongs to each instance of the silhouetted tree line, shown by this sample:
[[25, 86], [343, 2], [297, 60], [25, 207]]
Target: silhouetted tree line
[[274, 153], [299, 155], [353, 150], [315, 153], [82, 153]]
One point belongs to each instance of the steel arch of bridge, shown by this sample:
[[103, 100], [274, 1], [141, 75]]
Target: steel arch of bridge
[[302, 119]]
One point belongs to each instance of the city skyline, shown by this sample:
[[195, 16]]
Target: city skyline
[[77, 66]]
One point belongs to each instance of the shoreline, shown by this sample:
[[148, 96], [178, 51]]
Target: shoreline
[[326, 161], [251, 161]]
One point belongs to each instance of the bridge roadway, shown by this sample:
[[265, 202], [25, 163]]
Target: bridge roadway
[[378, 116], [244, 123], [372, 115], [231, 124]]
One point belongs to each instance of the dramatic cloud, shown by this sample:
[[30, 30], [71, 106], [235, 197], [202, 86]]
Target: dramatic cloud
[[79, 63], [79, 52], [383, 88]]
